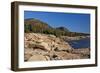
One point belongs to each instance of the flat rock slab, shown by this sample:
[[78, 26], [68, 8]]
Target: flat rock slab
[[37, 58]]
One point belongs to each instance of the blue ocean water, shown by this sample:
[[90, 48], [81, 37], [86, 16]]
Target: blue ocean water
[[83, 43]]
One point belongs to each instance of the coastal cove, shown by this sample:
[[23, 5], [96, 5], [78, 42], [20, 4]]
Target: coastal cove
[[82, 43]]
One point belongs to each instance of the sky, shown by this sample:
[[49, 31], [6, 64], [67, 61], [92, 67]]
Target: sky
[[75, 22]]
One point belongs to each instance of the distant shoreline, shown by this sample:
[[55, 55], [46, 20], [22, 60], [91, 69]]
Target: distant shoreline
[[67, 38]]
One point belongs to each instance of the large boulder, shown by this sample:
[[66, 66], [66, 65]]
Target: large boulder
[[37, 58], [65, 56], [43, 46], [27, 56]]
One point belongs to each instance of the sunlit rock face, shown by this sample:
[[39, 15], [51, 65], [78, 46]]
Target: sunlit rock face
[[45, 47]]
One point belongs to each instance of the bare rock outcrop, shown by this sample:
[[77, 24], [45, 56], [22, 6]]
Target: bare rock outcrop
[[43, 47], [37, 58]]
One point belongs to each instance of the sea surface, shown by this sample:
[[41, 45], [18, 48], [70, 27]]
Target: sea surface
[[83, 43]]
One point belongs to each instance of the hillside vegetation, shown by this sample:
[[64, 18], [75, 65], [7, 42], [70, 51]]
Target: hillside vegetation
[[37, 26]]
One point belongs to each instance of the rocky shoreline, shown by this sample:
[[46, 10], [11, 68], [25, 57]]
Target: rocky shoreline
[[43, 47], [67, 38]]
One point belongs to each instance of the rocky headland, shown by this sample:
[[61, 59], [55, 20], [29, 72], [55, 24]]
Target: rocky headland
[[46, 47]]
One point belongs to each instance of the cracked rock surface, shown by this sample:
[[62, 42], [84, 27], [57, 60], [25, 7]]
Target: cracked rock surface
[[43, 47]]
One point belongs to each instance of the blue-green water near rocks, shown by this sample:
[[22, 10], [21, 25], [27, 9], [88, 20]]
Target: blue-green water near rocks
[[82, 43]]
